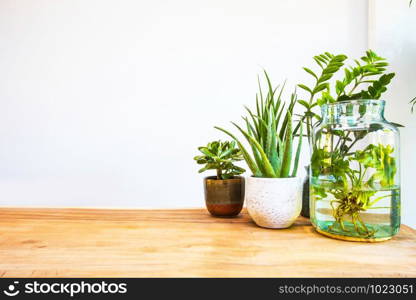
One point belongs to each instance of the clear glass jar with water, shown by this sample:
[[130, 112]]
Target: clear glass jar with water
[[355, 167]]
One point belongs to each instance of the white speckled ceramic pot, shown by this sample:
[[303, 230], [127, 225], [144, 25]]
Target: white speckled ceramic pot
[[273, 202]]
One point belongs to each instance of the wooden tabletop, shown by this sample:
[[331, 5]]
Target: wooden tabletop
[[185, 243]]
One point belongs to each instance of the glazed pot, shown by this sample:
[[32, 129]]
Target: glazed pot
[[274, 202], [224, 198]]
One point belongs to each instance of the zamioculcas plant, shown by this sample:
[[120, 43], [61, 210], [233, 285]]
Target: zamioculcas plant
[[269, 132], [367, 79], [354, 150], [220, 156]]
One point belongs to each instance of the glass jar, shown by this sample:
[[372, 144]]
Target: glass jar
[[354, 177]]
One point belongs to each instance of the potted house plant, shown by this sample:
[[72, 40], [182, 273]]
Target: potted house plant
[[273, 192], [354, 178], [224, 193]]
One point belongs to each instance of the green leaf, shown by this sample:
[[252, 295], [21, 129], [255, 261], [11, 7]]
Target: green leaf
[[339, 87], [205, 151], [324, 77], [330, 70], [274, 157], [319, 58], [302, 86], [320, 87], [256, 155], [329, 55], [269, 136], [304, 103], [297, 155], [249, 160], [219, 156], [339, 58], [318, 62], [348, 75], [311, 72], [287, 155], [268, 169]]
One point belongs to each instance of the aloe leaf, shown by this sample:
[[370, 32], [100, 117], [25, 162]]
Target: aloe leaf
[[256, 155], [275, 104], [279, 97], [278, 100], [280, 151], [269, 84], [249, 160], [252, 130], [296, 163], [268, 169], [260, 107], [274, 157], [283, 128], [257, 158], [255, 121], [277, 107], [257, 105], [280, 115], [263, 132], [270, 130], [287, 155]]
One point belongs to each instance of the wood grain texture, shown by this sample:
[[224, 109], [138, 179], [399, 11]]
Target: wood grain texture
[[184, 243]]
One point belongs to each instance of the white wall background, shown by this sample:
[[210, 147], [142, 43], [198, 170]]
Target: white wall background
[[104, 102]]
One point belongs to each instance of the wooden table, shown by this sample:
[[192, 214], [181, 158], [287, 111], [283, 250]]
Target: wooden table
[[184, 243]]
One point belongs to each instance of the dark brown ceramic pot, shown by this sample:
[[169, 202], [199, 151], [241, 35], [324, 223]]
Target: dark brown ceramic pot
[[224, 198]]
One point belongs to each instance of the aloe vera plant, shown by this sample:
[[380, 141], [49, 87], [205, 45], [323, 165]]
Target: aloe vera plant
[[270, 134]]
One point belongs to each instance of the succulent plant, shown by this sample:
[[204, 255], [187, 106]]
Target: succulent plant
[[220, 156]]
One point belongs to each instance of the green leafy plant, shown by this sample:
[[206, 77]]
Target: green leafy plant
[[352, 192], [368, 74], [329, 64], [270, 134], [220, 156], [346, 169]]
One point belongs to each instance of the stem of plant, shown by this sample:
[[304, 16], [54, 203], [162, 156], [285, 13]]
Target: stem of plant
[[219, 174], [345, 140], [357, 83], [351, 145]]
